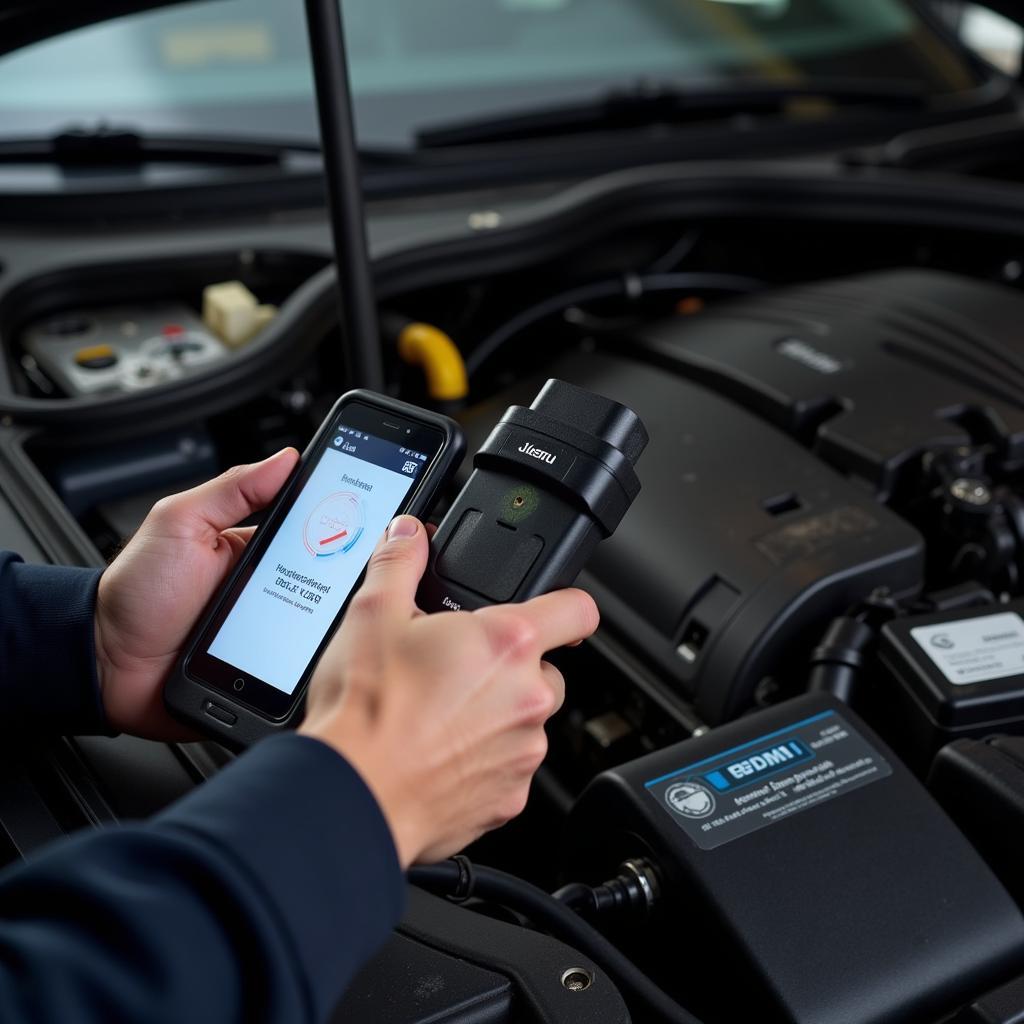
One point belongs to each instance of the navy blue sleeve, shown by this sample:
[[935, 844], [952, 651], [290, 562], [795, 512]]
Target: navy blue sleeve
[[255, 898], [48, 648]]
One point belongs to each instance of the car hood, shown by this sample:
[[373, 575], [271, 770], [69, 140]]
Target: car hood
[[23, 22], [28, 21]]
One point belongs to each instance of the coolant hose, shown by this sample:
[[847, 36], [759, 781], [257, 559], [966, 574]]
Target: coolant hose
[[424, 345], [450, 877]]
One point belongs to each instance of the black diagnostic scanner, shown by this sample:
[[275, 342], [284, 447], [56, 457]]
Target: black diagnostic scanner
[[547, 485]]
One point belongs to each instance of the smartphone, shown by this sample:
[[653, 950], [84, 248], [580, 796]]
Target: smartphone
[[244, 671]]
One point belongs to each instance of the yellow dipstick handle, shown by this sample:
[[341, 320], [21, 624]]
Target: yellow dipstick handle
[[429, 347]]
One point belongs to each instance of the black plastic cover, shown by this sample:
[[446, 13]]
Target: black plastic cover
[[740, 544], [980, 783], [1004, 1005], [874, 369], [958, 671], [407, 982], [839, 893], [449, 965]]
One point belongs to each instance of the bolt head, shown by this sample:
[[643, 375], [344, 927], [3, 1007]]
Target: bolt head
[[971, 492], [577, 979]]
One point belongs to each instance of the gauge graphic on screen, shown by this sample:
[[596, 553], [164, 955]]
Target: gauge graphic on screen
[[334, 526]]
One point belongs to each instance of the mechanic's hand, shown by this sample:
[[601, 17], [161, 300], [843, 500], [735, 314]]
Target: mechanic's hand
[[443, 715], [155, 590]]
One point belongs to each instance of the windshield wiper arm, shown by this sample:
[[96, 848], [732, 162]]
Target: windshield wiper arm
[[647, 106], [88, 147]]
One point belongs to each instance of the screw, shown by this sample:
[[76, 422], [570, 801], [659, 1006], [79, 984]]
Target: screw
[[518, 501], [971, 492], [577, 979]]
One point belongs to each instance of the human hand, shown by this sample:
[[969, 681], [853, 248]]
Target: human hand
[[151, 596], [442, 715]]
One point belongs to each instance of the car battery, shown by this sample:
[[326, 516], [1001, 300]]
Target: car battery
[[957, 675], [804, 863]]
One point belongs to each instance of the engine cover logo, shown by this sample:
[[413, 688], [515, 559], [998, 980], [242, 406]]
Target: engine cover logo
[[811, 357]]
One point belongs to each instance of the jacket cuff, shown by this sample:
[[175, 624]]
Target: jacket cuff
[[48, 647], [302, 823]]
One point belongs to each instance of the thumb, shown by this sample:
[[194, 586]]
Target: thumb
[[233, 496], [394, 571]]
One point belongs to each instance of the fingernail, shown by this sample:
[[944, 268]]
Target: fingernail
[[403, 526], [270, 458]]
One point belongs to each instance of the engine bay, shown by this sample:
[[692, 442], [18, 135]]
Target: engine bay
[[789, 758]]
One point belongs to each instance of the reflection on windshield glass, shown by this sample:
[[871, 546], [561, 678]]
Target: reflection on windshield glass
[[241, 67]]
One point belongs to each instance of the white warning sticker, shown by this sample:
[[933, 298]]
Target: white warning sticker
[[975, 650]]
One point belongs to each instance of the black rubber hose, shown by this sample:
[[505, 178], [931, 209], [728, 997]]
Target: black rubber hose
[[837, 680], [576, 896], [627, 286], [632, 892], [546, 911], [838, 659]]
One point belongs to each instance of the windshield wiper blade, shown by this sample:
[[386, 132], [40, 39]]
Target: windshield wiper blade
[[649, 106], [106, 147]]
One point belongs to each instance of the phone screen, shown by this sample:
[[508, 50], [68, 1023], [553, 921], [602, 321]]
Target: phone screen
[[273, 624]]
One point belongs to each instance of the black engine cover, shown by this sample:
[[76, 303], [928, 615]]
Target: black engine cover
[[809, 877], [873, 369], [741, 545]]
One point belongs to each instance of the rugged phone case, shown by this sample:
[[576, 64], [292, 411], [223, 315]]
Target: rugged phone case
[[214, 712]]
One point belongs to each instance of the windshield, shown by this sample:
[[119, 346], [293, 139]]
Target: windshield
[[241, 67]]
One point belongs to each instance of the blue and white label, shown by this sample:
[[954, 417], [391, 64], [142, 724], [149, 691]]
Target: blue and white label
[[769, 778], [776, 758]]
